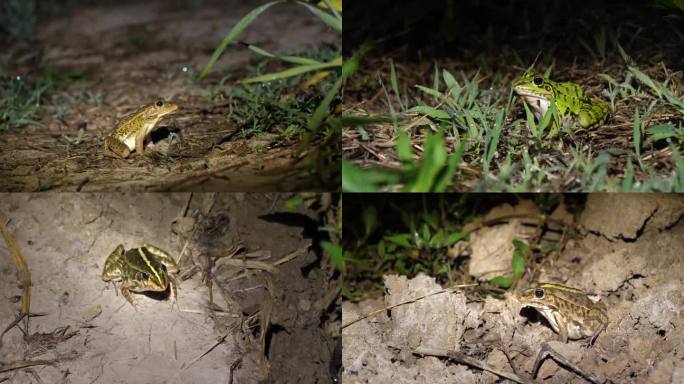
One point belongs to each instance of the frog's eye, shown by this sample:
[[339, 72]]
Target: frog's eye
[[163, 267], [538, 81], [538, 293], [159, 103], [145, 275]]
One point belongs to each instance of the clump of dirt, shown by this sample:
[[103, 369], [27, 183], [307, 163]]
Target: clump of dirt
[[254, 294], [627, 253]]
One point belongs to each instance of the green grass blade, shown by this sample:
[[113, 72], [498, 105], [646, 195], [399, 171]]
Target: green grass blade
[[434, 158], [444, 179], [332, 21], [289, 59], [429, 111], [628, 181], [432, 92], [323, 109], [233, 34], [679, 187], [294, 71], [336, 254], [354, 179], [404, 148]]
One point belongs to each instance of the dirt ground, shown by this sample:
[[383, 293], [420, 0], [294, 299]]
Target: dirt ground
[[627, 252], [84, 331], [134, 53]]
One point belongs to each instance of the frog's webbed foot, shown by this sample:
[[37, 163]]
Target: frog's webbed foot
[[547, 351]]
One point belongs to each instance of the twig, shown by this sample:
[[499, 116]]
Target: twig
[[463, 359], [451, 289]]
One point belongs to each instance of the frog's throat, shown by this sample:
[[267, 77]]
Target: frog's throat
[[539, 102], [547, 313]]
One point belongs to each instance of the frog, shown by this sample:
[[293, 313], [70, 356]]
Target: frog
[[573, 106], [143, 269], [130, 132], [569, 311]]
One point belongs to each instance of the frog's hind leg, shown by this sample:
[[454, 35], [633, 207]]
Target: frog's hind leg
[[547, 351], [593, 116], [115, 148]]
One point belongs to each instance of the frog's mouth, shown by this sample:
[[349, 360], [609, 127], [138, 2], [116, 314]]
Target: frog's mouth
[[538, 101]]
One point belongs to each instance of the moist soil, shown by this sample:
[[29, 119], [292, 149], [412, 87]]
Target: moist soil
[[84, 331], [627, 254], [133, 53]]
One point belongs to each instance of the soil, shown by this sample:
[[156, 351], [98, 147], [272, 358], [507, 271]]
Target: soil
[[627, 254], [84, 331], [130, 55]]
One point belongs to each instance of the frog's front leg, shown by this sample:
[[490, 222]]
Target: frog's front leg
[[112, 267], [562, 327], [126, 292]]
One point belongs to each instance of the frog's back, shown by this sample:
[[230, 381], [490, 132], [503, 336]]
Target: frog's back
[[129, 124]]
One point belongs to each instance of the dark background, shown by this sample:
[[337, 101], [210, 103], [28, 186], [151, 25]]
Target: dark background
[[417, 29]]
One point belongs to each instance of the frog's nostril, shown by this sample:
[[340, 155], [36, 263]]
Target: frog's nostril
[[539, 293]]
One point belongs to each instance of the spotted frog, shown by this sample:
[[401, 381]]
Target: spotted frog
[[144, 269], [574, 108], [131, 131], [568, 310]]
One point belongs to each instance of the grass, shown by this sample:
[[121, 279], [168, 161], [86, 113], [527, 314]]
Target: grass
[[281, 107], [294, 112], [412, 234], [23, 98], [455, 78], [494, 150]]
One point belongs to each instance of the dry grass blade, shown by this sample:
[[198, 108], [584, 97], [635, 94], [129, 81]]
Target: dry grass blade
[[265, 322], [18, 364], [21, 264]]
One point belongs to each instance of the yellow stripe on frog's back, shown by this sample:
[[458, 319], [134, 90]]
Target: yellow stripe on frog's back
[[149, 264], [560, 287]]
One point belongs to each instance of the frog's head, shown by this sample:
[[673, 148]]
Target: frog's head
[[531, 85], [536, 90], [540, 297], [147, 273], [157, 110]]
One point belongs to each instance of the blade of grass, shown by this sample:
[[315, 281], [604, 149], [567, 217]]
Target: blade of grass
[[323, 109], [289, 59], [294, 71], [332, 21], [233, 34]]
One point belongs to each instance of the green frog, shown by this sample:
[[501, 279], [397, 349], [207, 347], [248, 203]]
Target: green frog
[[574, 108], [131, 131], [144, 269]]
